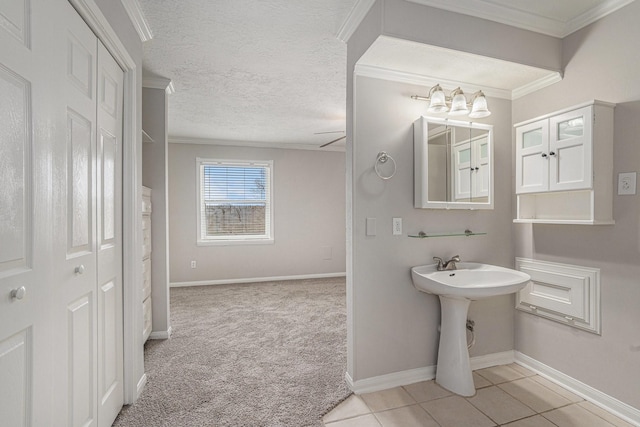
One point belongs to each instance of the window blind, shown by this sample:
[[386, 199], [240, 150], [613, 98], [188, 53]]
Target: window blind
[[235, 200]]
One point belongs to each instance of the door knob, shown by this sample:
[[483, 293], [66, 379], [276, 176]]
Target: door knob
[[79, 269], [18, 293]]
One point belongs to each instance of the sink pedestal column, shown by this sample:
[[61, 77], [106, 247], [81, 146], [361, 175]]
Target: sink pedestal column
[[454, 369]]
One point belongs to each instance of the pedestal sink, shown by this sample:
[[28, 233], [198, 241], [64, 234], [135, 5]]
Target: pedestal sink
[[456, 289]]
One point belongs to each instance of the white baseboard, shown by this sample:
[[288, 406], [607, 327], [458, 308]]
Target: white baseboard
[[395, 379], [411, 376], [140, 386], [610, 404], [493, 359], [160, 335], [255, 279]]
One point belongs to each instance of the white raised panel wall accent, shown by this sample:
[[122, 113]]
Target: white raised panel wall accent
[[568, 294], [564, 177]]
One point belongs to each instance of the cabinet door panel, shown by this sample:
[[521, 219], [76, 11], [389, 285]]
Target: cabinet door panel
[[532, 160], [570, 150]]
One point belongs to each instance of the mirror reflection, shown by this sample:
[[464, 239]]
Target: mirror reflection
[[453, 164]]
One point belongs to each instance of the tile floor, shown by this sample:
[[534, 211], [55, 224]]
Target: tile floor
[[507, 395]]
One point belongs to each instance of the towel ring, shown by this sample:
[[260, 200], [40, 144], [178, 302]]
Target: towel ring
[[383, 157]]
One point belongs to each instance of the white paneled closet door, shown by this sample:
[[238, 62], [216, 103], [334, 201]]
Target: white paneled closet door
[[87, 306], [26, 270], [109, 237]]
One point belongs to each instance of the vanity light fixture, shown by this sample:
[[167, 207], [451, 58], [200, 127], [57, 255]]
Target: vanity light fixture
[[456, 104]]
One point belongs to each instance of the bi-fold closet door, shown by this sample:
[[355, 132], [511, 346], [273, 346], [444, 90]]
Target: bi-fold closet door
[[88, 237], [61, 105]]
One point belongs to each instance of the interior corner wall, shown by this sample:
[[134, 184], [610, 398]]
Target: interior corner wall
[[437, 27], [386, 316], [154, 175], [600, 64], [391, 319], [309, 217]]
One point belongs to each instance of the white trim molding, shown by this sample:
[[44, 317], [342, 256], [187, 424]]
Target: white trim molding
[[160, 335], [138, 19], [523, 19], [141, 384], [417, 79], [598, 398], [255, 280], [353, 20], [254, 144], [155, 82], [552, 78], [410, 376]]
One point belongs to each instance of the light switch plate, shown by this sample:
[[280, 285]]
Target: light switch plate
[[626, 183], [371, 227]]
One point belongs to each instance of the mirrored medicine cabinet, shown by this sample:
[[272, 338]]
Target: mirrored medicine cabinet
[[453, 164]]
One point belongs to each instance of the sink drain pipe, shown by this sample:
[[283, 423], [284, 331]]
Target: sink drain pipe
[[470, 326]]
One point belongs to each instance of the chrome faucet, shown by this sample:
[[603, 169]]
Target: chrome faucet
[[446, 265]]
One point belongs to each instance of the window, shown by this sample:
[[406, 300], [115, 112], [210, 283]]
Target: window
[[234, 202]]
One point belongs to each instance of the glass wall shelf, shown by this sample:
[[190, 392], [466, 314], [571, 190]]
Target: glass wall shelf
[[467, 233]]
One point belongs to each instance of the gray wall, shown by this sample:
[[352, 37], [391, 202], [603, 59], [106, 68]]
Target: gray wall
[[391, 319], [601, 63], [309, 212], [386, 316], [155, 106]]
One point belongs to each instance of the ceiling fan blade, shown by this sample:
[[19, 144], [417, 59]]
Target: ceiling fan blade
[[331, 142]]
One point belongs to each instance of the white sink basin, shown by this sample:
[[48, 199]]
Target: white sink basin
[[456, 289], [470, 280]]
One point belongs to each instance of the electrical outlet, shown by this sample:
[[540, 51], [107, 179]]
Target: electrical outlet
[[397, 226], [626, 183], [193, 264]]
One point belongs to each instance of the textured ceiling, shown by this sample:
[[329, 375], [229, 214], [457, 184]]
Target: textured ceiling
[[267, 71], [273, 73]]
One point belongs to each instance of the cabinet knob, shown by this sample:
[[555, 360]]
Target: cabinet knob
[[18, 293], [552, 153], [544, 155], [79, 269]]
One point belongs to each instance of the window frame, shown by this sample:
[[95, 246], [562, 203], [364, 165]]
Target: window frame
[[227, 240]]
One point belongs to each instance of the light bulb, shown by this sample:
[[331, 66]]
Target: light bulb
[[458, 103], [479, 108]]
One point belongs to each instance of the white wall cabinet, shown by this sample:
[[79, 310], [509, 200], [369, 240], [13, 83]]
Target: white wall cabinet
[[564, 166]]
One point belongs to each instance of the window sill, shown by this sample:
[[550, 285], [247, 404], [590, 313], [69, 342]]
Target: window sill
[[234, 242]]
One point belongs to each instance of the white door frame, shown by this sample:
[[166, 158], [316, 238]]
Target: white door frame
[[134, 377]]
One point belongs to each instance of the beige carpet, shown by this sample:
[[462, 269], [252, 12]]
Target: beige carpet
[[266, 354]]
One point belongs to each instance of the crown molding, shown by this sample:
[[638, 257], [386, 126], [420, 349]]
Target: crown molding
[[536, 85], [158, 83], [353, 20], [417, 79], [251, 144], [592, 15], [525, 20], [138, 19]]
